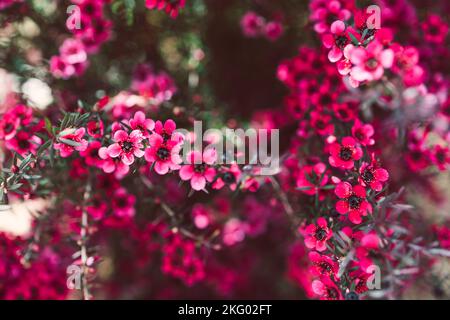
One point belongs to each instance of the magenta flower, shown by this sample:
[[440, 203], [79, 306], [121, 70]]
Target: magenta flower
[[61, 68], [252, 24], [9, 124], [24, 143], [316, 236], [123, 203], [343, 155], [199, 170], [311, 178], [326, 289], [167, 130], [72, 51], [95, 129], [337, 40], [370, 62], [353, 201], [70, 140], [110, 165], [273, 30], [164, 155], [435, 29], [228, 176], [322, 265], [373, 176], [171, 7], [363, 133], [139, 122], [127, 146]]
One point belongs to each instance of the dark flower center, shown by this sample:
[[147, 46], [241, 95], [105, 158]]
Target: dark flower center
[[121, 202], [200, 168], [354, 202], [367, 176], [371, 64], [332, 293], [325, 267], [9, 128], [228, 177], [23, 144], [341, 42], [165, 136], [127, 146], [163, 153], [345, 153], [320, 234], [440, 156]]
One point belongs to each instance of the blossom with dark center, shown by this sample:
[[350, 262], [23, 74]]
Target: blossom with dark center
[[363, 133], [440, 156], [139, 122], [338, 39], [326, 289], [126, 146], [24, 143], [228, 176], [70, 140], [371, 175], [163, 154], [323, 265], [352, 201], [316, 236], [343, 155], [199, 169]]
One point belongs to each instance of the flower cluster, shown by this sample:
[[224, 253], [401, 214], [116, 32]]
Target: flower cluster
[[93, 31], [254, 25]]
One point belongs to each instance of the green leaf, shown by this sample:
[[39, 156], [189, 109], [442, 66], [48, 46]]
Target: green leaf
[[70, 142], [354, 40], [48, 125]]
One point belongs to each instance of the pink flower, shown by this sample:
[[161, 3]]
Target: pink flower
[[353, 201], [70, 140], [61, 68], [199, 170], [171, 7], [167, 130], [201, 216], [24, 143], [91, 156], [252, 24], [95, 129], [9, 124], [164, 155], [311, 178], [233, 232], [363, 133], [370, 62], [316, 236], [440, 156], [127, 146], [123, 203], [337, 40], [373, 176], [110, 165], [273, 30], [72, 51], [139, 122], [435, 29], [326, 289], [343, 155], [229, 176], [323, 265]]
